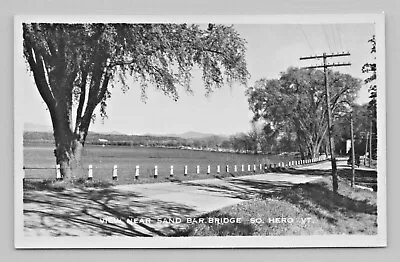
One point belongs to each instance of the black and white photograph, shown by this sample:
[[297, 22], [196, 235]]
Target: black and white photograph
[[199, 131]]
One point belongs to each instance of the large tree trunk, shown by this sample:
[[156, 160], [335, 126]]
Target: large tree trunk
[[79, 141], [315, 147], [69, 147], [64, 152], [77, 151]]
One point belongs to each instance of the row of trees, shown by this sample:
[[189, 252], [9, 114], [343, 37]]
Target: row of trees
[[293, 107]]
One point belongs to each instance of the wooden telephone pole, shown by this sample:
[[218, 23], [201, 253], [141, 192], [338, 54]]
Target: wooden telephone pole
[[366, 148], [370, 144], [353, 155], [325, 66]]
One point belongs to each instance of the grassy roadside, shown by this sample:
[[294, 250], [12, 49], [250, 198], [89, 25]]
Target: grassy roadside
[[310, 209]]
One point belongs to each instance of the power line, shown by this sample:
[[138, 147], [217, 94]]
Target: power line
[[326, 37], [305, 35], [334, 38], [339, 36]]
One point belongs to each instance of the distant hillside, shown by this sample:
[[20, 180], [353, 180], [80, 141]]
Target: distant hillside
[[94, 138], [189, 135], [34, 133], [31, 127], [196, 135], [112, 133], [199, 141]]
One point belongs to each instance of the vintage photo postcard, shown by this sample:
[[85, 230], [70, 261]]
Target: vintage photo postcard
[[200, 131]]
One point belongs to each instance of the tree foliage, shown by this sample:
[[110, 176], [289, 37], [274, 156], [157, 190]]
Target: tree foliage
[[370, 69], [75, 66], [295, 104], [361, 122]]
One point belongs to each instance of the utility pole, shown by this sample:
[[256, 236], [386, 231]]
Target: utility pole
[[353, 172], [370, 144], [366, 148], [325, 66]]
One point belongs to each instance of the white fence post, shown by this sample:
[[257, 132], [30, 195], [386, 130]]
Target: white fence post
[[58, 172], [171, 174], [185, 171], [197, 169], [208, 169], [254, 168], [242, 168], [90, 172], [248, 168], [227, 168], [137, 172], [218, 169], [235, 168], [155, 171], [260, 167], [115, 173]]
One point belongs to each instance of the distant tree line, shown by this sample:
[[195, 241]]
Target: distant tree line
[[253, 142], [211, 142]]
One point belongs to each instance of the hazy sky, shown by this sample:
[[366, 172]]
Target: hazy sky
[[271, 50]]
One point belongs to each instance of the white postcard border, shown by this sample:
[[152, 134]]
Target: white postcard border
[[378, 240]]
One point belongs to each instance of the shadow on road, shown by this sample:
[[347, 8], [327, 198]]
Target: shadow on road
[[103, 212], [240, 188], [319, 199], [363, 177]]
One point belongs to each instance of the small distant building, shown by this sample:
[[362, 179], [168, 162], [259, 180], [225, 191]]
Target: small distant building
[[103, 142]]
